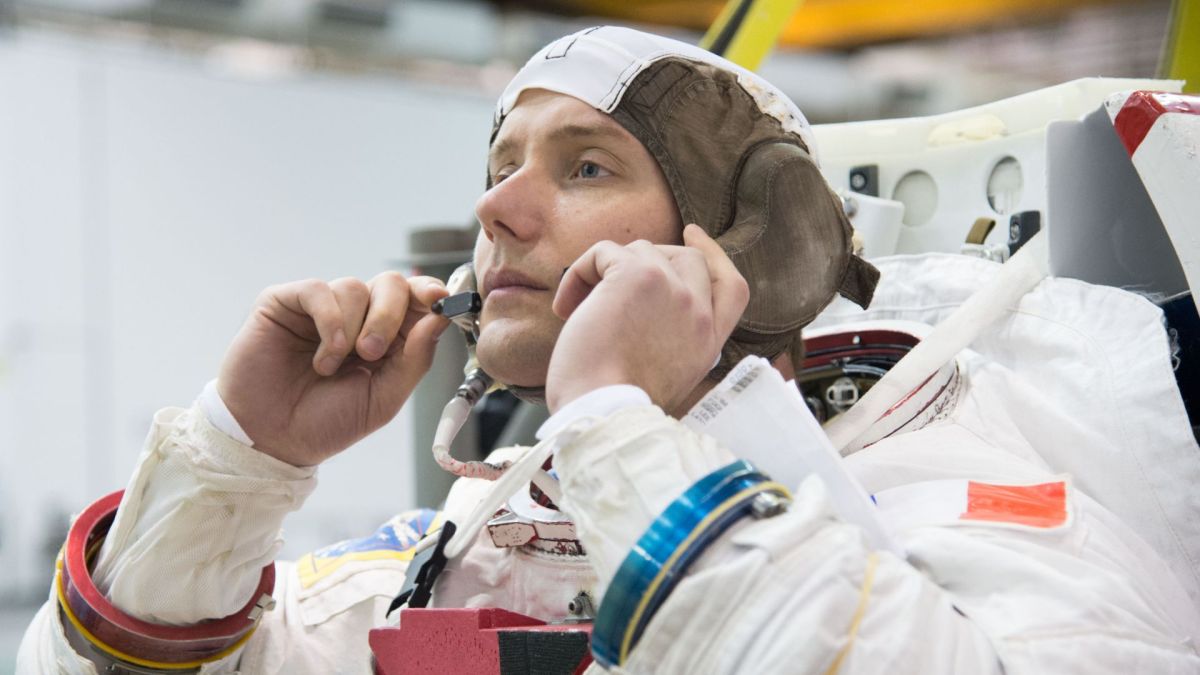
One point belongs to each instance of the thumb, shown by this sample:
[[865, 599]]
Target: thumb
[[405, 368]]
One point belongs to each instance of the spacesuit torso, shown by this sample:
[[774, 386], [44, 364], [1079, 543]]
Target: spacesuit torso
[[797, 593]]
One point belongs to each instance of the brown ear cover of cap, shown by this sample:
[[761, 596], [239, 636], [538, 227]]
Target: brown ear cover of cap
[[791, 240], [754, 188]]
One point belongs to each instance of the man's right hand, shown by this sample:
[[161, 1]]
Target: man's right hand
[[318, 366]]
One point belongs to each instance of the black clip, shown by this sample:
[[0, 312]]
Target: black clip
[[468, 302], [423, 571], [1021, 228]]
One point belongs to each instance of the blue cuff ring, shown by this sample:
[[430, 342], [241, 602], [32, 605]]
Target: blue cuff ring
[[669, 546]]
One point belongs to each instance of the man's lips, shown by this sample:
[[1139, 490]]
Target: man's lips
[[509, 279]]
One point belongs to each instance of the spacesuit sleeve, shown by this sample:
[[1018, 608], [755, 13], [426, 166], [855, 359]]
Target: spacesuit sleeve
[[802, 593], [199, 520]]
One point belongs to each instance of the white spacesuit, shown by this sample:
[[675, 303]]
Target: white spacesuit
[[982, 583]]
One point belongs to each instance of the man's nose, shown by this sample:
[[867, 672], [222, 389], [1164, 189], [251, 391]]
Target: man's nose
[[513, 208]]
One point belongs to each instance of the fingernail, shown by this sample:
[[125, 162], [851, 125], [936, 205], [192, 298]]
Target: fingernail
[[564, 273], [329, 364], [339, 339], [373, 346]]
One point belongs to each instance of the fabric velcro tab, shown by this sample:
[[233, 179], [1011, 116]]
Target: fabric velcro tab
[[1043, 505], [859, 281], [336, 578], [1037, 506]]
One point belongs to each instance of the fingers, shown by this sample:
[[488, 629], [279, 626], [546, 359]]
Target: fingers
[[409, 364], [349, 315], [425, 292], [396, 304], [692, 267], [316, 299], [656, 265], [389, 301], [730, 292], [412, 355], [583, 275], [352, 297]]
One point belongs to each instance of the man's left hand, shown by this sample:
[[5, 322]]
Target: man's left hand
[[649, 315]]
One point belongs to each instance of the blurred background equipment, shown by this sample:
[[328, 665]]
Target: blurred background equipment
[[161, 161], [437, 252]]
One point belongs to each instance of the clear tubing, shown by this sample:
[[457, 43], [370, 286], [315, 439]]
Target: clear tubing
[[454, 415], [507, 485]]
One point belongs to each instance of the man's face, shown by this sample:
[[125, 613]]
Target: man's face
[[564, 176]]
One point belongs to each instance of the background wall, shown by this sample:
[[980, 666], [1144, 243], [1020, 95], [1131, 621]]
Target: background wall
[[145, 200]]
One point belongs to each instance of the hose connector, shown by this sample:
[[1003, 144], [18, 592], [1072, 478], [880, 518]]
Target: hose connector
[[475, 386]]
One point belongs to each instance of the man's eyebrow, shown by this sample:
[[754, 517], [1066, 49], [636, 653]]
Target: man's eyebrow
[[501, 147], [584, 131], [566, 132]]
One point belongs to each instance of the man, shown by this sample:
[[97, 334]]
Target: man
[[634, 184]]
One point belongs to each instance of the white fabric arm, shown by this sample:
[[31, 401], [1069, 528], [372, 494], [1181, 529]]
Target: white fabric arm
[[200, 518], [801, 592]]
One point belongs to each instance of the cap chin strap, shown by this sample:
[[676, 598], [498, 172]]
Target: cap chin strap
[[534, 395]]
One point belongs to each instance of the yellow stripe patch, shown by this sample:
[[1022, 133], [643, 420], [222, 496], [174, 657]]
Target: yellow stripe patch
[[394, 540]]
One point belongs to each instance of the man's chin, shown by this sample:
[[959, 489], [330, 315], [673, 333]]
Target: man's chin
[[516, 352]]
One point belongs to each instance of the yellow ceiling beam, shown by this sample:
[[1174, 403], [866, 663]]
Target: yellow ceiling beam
[[746, 30], [691, 14], [1181, 53], [841, 23]]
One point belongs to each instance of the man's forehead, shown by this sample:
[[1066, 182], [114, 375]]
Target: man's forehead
[[555, 118]]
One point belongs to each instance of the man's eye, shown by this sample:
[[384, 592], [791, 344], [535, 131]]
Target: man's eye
[[591, 170]]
